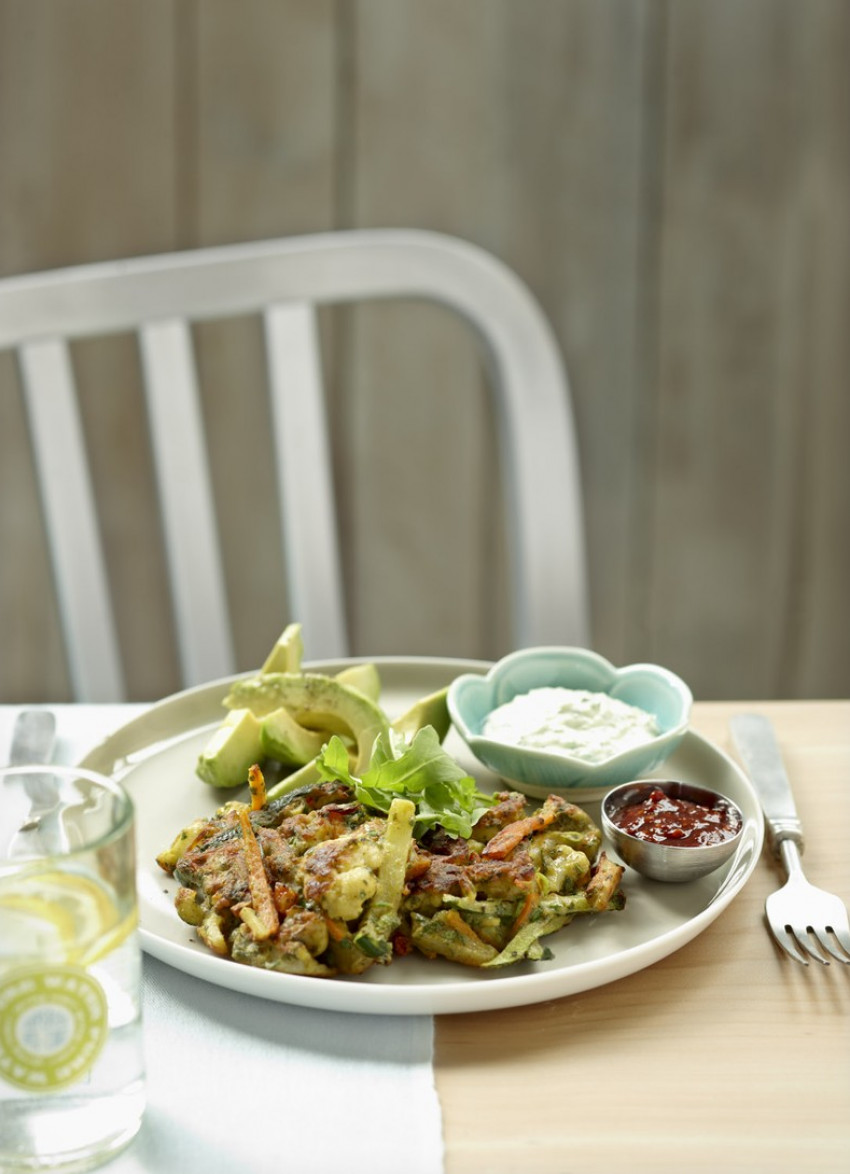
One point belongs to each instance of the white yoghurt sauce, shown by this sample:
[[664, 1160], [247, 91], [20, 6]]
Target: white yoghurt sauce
[[577, 723]]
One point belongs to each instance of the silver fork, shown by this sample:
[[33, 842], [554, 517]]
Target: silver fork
[[801, 916]]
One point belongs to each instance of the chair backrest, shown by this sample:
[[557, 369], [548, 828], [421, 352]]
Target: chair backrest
[[284, 281]]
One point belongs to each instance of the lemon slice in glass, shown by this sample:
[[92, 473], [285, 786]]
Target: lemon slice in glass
[[56, 916]]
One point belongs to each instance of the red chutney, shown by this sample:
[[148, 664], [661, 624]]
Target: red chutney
[[662, 819]]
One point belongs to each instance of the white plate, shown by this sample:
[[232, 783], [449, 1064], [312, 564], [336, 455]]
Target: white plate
[[155, 755]]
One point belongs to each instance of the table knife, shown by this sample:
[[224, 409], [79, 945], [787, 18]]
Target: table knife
[[32, 737], [756, 743]]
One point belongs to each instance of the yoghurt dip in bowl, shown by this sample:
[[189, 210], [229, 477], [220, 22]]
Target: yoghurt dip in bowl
[[566, 720], [578, 723]]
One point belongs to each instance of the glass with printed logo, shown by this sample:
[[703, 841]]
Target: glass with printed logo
[[71, 1060]]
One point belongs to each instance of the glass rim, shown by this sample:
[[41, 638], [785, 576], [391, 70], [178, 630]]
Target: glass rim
[[121, 824]]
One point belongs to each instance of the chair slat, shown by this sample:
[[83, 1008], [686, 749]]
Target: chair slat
[[191, 534], [285, 281], [305, 479], [71, 521], [543, 484]]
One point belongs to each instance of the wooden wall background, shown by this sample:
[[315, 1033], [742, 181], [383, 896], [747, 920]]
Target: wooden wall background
[[671, 179]]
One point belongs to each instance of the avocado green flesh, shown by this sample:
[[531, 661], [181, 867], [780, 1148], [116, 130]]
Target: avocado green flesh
[[363, 677], [317, 700], [231, 751], [432, 710], [287, 715], [285, 740], [286, 655]]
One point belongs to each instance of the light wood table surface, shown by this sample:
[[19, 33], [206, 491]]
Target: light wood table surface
[[725, 1056]]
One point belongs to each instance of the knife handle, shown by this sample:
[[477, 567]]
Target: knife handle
[[756, 742]]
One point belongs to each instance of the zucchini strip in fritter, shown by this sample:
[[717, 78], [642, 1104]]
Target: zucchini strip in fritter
[[382, 914], [447, 935], [552, 913]]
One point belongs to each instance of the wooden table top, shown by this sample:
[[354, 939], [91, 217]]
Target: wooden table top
[[726, 1055]]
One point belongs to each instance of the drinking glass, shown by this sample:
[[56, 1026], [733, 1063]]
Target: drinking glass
[[71, 1059]]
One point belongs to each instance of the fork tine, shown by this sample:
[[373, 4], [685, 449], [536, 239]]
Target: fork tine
[[786, 941], [824, 940], [805, 942], [841, 951], [843, 934]]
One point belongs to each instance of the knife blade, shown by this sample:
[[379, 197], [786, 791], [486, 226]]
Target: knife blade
[[32, 737], [32, 745], [756, 743]]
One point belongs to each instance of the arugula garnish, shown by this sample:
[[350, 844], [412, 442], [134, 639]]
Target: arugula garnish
[[419, 770]]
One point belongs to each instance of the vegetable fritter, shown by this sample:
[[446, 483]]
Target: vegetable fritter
[[314, 883]]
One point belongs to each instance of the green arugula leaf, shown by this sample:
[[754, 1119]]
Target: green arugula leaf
[[421, 770], [333, 762]]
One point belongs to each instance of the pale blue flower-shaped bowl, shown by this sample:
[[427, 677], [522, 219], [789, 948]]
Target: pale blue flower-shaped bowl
[[540, 772]]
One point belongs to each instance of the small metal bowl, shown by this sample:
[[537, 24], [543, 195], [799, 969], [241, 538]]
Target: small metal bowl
[[665, 861]]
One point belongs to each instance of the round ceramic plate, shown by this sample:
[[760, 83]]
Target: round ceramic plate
[[155, 755]]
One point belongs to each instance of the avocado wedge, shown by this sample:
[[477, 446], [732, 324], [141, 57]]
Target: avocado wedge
[[285, 656], [288, 715], [363, 677], [318, 701], [432, 710], [232, 750], [286, 740]]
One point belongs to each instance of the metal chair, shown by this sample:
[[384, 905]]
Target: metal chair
[[284, 281]]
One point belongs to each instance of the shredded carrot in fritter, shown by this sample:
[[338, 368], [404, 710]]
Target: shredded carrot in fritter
[[532, 900], [265, 920], [462, 929], [337, 930], [604, 882], [504, 841], [284, 898], [257, 786]]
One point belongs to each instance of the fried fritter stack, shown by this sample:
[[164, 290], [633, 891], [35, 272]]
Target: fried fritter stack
[[313, 883]]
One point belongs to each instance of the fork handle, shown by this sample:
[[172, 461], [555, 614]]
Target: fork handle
[[756, 742]]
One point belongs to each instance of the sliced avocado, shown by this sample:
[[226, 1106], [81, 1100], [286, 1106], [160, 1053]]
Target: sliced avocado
[[286, 655], [364, 677], [287, 741], [317, 700], [432, 710], [304, 776], [233, 748]]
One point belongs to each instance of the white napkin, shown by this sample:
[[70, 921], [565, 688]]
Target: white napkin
[[240, 1083], [237, 1083]]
